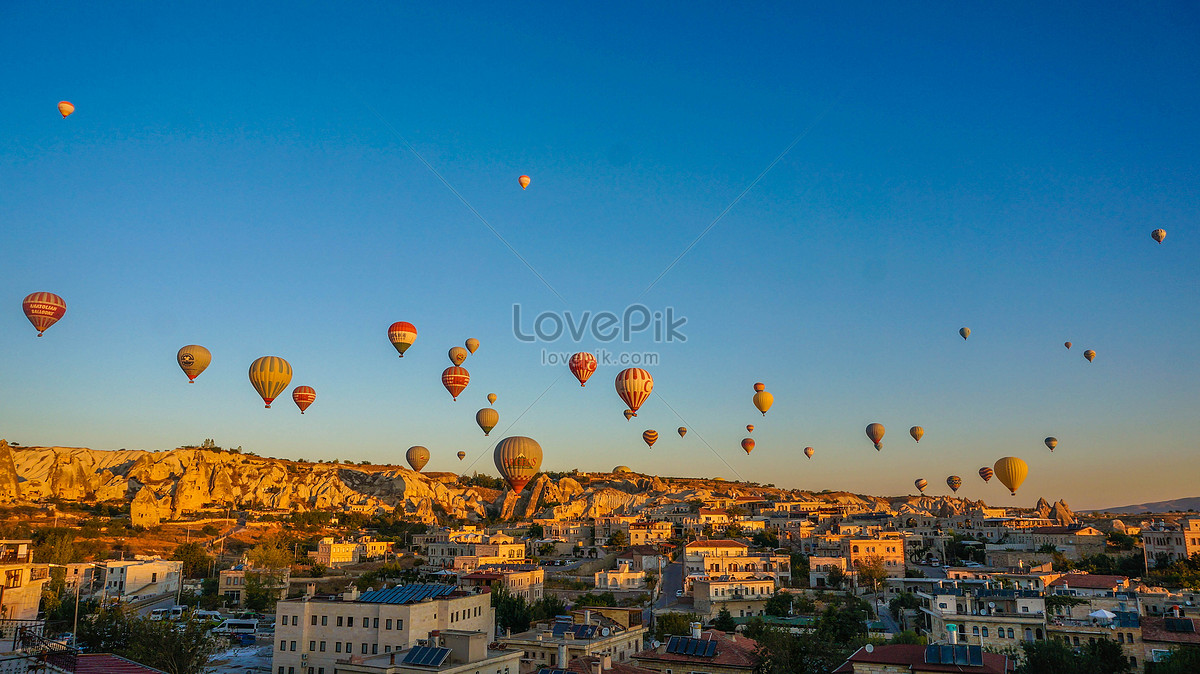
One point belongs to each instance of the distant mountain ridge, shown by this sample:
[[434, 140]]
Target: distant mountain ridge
[[1184, 504]]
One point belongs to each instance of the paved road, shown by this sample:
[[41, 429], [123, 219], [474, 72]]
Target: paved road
[[671, 581], [145, 606]]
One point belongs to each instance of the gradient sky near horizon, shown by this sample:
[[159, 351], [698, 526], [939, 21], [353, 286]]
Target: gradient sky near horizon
[[238, 177]]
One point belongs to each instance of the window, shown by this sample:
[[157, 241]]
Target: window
[[975, 630], [1129, 637], [1120, 637], [364, 649], [375, 624], [324, 620], [339, 621], [374, 649], [322, 646], [337, 647], [282, 645], [312, 645], [154, 578], [400, 623], [280, 669], [350, 621], [292, 646], [314, 621], [985, 632]]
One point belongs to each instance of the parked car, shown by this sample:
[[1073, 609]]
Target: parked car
[[678, 593]]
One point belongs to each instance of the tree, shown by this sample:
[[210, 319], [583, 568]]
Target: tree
[[902, 601], [272, 552], [1180, 661], [779, 605], [871, 571], [782, 653], [843, 624], [600, 599], [178, 648], [196, 561], [618, 539], [1103, 656], [674, 624], [835, 577], [536, 531], [724, 621], [767, 538]]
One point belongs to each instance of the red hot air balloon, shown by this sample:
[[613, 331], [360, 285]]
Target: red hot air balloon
[[583, 365], [760, 387], [634, 385], [402, 335], [43, 310], [524, 180], [303, 396], [65, 109], [748, 444], [455, 379]]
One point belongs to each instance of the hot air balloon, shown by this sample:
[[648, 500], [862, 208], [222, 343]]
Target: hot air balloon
[[921, 484], [193, 359], [472, 345], [455, 379], [487, 418], [650, 437], [518, 459], [748, 444], [582, 365], [1012, 472], [417, 456], [65, 109], [634, 385], [954, 482], [402, 334], [491, 398], [303, 396], [986, 473], [917, 433], [809, 451], [965, 332], [462, 455], [270, 375], [629, 414], [682, 431], [1158, 234], [749, 428], [875, 433], [1051, 442], [763, 401], [759, 387], [524, 180], [43, 310], [1067, 344], [1090, 355], [457, 355]]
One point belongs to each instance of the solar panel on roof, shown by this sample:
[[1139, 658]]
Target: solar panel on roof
[[975, 653], [693, 644], [406, 594], [960, 655], [1180, 625], [673, 645], [426, 656], [931, 655], [711, 650]]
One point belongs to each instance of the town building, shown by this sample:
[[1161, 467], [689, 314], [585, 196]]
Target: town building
[[1163, 635], [710, 652], [450, 652], [585, 633], [650, 533], [139, 578], [522, 580], [23, 580], [1088, 584], [1171, 542], [722, 557], [621, 578], [232, 583], [743, 597], [643, 558], [892, 658]]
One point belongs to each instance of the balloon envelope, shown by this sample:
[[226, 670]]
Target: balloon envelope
[[1158, 234], [472, 344], [487, 418], [954, 482], [417, 456], [462, 455], [748, 444], [986, 473], [65, 108], [749, 428], [402, 335], [491, 398], [650, 437], [455, 379], [763, 401], [193, 359], [875, 433], [582, 365], [1051, 443], [759, 387], [270, 375], [921, 484], [1090, 355], [518, 459], [682, 431], [457, 355], [634, 385], [1067, 344], [43, 310], [917, 433], [1012, 472], [524, 181], [629, 414], [965, 332], [809, 451], [303, 396]]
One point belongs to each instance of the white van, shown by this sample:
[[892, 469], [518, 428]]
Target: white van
[[233, 626], [178, 612], [160, 614], [206, 615]]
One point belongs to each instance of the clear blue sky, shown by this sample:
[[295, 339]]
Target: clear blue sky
[[237, 177]]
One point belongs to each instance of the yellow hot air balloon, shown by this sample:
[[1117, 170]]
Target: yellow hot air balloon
[[417, 456], [457, 355], [270, 375], [462, 455], [193, 359], [809, 451], [65, 109], [1051, 442], [875, 433], [634, 385], [1012, 472], [650, 437], [472, 344], [1158, 234], [518, 459], [917, 433], [965, 332], [682, 431], [491, 398], [487, 418], [749, 428], [921, 484], [524, 180], [763, 401], [1090, 355]]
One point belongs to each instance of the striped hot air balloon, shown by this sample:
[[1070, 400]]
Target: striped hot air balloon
[[749, 428], [629, 414], [1090, 355], [65, 109], [487, 418], [954, 482], [921, 484], [682, 430], [455, 379], [759, 387], [270, 375], [518, 459], [417, 456], [634, 385], [491, 398], [524, 181], [748, 445], [650, 437], [193, 359], [1051, 442], [986, 473], [43, 310], [303, 396], [462, 455], [402, 334], [917, 433], [582, 365]]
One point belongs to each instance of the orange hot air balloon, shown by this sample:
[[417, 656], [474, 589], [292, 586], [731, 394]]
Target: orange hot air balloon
[[629, 414], [472, 345], [43, 310], [809, 451], [462, 455], [487, 418], [964, 332], [1012, 472], [457, 355], [402, 334], [748, 444], [917, 433], [1067, 344], [763, 401], [303, 396], [193, 359], [634, 385], [270, 375], [455, 379], [1090, 355], [583, 365], [417, 456], [921, 484], [650, 437], [524, 180], [1158, 234], [760, 387], [65, 109], [491, 398], [682, 431], [954, 482], [986, 473], [749, 428], [518, 459], [1051, 443], [875, 433]]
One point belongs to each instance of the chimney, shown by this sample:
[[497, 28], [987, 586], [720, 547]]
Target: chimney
[[696, 630], [605, 663], [562, 656], [952, 634], [596, 667], [587, 617]]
